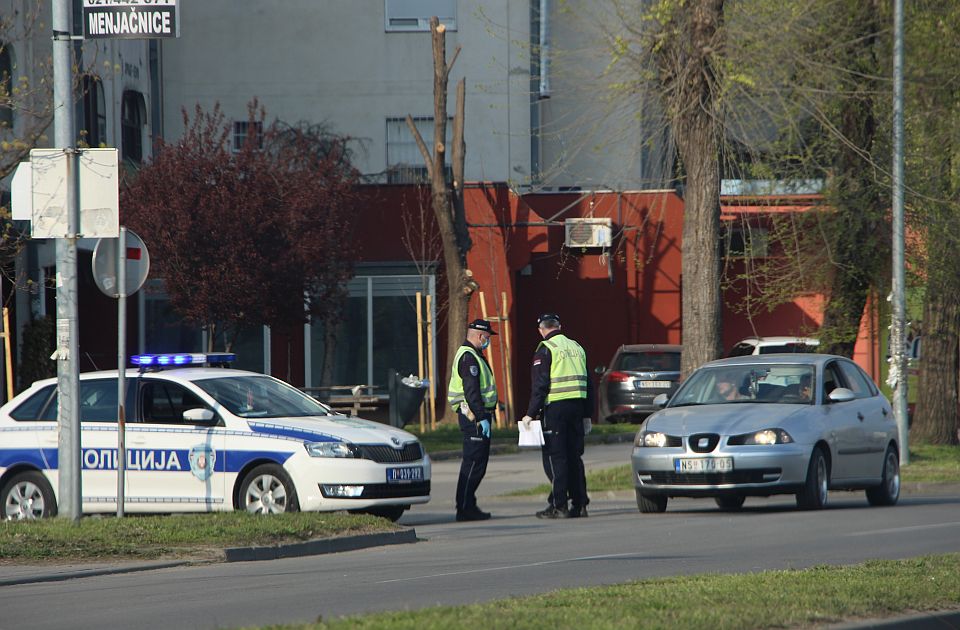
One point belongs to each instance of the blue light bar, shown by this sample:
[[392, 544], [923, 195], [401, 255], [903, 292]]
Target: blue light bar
[[211, 358]]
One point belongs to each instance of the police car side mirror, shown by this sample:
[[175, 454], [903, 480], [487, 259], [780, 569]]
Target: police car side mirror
[[199, 415]]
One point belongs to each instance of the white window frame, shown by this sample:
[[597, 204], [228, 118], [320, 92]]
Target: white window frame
[[405, 16], [241, 128]]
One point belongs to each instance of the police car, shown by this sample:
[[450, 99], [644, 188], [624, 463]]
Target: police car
[[207, 438]]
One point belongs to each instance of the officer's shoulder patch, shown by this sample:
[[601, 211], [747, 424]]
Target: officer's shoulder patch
[[474, 370], [536, 361]]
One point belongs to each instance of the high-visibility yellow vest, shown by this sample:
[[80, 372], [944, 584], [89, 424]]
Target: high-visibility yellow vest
[[488, 389], [568, 369]]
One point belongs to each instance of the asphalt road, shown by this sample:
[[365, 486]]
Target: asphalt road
[[512, 554]]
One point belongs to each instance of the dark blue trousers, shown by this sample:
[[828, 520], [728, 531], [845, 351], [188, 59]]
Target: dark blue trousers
[[473, 465], [563, 453]]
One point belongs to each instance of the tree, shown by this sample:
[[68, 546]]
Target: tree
[[248, 238], [447, 198]]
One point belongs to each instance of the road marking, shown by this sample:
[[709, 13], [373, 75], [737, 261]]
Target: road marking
[[897, 530], [508, 567]]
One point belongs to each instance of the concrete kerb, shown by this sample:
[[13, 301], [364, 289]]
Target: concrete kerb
[[33, 575]]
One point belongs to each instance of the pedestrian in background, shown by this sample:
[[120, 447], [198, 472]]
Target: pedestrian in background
[[562, 391], [472, 393]]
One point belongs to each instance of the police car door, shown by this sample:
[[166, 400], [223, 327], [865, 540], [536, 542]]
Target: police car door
[[176, 463]]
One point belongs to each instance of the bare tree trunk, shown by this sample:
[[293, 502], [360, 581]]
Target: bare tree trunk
[[448, 199], [935, 417], [687, 66]]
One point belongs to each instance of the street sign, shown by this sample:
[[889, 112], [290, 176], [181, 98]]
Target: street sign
[[130, 19], [105, 265], [99, 194]]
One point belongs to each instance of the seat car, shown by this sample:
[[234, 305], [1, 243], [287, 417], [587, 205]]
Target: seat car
[[761, 425], [773, 345], [636, 375], [207, 438]]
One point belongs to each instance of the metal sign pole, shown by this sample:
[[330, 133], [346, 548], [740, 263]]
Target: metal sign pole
[[898, 327], [68, 374], [121, 368]]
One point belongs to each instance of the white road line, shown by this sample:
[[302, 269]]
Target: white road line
[[897, 530], [508, 567]]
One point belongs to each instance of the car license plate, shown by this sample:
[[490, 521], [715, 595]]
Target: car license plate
[[653, 384], [711, 464], [405, 475]]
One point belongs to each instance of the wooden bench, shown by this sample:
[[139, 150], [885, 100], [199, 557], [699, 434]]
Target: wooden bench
[[356, 398]]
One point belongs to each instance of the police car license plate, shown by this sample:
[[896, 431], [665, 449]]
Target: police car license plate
[[653, 384], [405, 475], [712, 464]]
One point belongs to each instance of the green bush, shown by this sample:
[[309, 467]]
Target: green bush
[[39, 338]]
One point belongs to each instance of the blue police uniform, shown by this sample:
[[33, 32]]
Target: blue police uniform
[[563, 437]]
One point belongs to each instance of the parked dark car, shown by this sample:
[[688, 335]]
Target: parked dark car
[[636, 375]]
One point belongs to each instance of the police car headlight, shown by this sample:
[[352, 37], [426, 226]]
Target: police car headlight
[[331, 449]]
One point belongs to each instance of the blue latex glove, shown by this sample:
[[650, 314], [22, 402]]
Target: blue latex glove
[[485, 428]]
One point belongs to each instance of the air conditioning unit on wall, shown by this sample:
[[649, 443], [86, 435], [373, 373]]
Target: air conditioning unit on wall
[[588, 232]]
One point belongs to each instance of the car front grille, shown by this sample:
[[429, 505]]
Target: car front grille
[[703, 442], [410, 452], [394, 490], [759, 475]]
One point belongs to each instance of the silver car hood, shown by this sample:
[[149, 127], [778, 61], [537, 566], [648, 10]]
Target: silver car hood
[[725, 419]]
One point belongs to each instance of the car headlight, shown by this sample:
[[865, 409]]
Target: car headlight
[[655, 439], [764, 437], [331, 449]]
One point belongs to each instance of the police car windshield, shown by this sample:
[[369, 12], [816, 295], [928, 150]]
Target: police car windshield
[[257, 396]]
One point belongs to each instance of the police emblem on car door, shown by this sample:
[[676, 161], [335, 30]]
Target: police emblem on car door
[[202, 460]]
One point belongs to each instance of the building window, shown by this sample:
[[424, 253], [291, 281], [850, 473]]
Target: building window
[[404, 161], [746, 242], [6, 86], [378, 331], [244, 129], [94, 112], [414, 15], [132, 117]]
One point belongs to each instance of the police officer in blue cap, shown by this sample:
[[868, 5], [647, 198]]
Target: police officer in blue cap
[[562, 391], [472, 393]]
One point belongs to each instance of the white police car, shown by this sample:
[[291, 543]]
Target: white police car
[[200, 439]]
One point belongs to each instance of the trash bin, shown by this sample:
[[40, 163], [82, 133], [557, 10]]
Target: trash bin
[[406, 396]]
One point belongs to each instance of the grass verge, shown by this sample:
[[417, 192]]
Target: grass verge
[[928, 464], [151, 537], [447, 437], [771, 599]]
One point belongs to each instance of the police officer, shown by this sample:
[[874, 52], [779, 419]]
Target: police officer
[[561, 388], [472, 393]]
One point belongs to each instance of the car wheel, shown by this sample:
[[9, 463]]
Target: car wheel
[[267, 489], [28, 495], [732, 502], [813, 496], [888, 492], [392, 512], [651, 503]]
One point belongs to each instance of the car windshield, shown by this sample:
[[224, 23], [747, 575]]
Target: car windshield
[[651, 361], [257, 396], [753, 383]]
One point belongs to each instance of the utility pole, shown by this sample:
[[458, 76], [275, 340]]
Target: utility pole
[[898, 371], [67, 353]]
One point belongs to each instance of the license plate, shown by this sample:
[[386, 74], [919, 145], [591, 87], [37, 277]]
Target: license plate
[[712, 464], [654, 384], [405, 475]]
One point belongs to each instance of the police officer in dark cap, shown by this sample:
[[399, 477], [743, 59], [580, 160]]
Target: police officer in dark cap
[[562, 391], [472, 393]]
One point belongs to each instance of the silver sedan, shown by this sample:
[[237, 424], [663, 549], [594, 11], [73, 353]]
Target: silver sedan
[[761, 425]]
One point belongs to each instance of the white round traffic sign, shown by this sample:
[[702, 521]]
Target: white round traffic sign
[[105, 257]]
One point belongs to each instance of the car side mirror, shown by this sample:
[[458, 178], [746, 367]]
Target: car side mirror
[[600, 369], [199, 415], [660, 400], [841, 394]]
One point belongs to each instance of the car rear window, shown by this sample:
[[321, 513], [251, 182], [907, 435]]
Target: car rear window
[[787, 347], [649, 362]]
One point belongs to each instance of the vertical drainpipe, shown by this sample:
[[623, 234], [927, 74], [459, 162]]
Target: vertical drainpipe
[[544, 48]]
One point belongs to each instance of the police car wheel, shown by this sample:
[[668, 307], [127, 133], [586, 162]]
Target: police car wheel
[[28, 495], [267, 489]]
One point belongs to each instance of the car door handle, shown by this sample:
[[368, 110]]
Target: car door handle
[[884, 412], [859, 416]]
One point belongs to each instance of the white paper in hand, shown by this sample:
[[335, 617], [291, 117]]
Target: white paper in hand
[[532, 438]]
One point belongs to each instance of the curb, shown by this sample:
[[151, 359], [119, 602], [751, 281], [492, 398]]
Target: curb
[[231, 554], [320, 546]]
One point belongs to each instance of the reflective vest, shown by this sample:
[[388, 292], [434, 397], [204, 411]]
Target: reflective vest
[[568, 369], [488, 389]]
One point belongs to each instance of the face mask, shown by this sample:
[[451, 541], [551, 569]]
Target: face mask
[[485, 343]]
